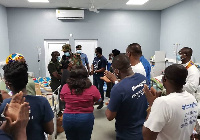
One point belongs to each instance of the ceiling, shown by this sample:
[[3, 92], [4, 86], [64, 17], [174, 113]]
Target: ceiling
[[86, 4]]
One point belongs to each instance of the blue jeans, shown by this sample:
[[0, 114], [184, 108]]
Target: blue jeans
[[99, 84], [78, 126]]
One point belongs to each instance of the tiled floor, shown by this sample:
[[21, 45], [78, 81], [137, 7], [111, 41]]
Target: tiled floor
[[102, 130]]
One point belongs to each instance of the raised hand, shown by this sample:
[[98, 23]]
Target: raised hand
[[12, 109], [110, 76], [151, 94], [17, 116], [17, 129], [105, 79]]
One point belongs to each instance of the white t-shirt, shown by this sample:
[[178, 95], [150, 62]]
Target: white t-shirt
[[173, 116], [139, 68]]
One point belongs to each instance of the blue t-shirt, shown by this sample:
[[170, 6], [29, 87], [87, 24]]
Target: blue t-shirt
[[4, 136], [128, 100], [98, 63], [84, 59], [109, 65], [147, 67], [41, 113]]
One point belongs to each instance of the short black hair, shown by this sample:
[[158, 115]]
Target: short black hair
[[135, 49], [121, 62], [99, 50], [78, 46], [177, 75], [54, 53], [115, 52], [16, 74], [188, 51]]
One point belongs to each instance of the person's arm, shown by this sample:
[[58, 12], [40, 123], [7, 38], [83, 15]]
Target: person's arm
[[100, 70], [192, 81], [153, 126], [114, 104], [52, 70], [110, 115], [96, 94], [151, 94], [105, 79], [148, 134], [87, 64], [48, 127], [111, 76], [55, 74], [92, 70], [88, 68]]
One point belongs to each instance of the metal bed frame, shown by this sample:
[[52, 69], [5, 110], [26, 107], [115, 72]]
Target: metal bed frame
[[55, 108]]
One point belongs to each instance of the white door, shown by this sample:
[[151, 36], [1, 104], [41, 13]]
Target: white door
[[49, 47], [88, 47]]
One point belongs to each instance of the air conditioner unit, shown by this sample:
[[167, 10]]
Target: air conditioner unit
[[70, 14]]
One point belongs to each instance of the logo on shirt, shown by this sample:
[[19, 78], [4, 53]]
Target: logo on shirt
[[140, 92], [96, 64], [190, 115]]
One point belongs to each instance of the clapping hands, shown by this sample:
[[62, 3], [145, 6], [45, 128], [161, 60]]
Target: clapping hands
[[151, 94], [17, 116]]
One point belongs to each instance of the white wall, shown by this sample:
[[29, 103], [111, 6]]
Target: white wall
[[181, 24], [4, 42], [114, 29]]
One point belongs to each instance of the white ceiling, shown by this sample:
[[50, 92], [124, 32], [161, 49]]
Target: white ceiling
[[86, 4]]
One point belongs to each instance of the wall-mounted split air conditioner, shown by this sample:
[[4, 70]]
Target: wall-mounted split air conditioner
[[70, 14]]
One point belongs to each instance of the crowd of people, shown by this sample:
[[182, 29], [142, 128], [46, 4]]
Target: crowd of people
[[141, 113]]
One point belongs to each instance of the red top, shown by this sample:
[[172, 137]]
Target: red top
[[82, 103]]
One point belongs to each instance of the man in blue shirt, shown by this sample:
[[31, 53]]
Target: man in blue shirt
[[98, 68], [128, 103], [84, 57], [147, 66], [145, 63]]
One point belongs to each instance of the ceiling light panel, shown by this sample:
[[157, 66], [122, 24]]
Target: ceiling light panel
[[136, 2], [43, 1]]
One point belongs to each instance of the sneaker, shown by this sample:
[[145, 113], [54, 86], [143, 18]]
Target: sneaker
[[100, 106]]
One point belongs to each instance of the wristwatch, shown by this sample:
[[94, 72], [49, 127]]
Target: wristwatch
[[116, 82]]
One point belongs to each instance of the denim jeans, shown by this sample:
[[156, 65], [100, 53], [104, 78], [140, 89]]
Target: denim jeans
[[99, 84], [78, 126]]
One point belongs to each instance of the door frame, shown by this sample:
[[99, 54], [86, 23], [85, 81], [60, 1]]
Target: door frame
[[46, 50]]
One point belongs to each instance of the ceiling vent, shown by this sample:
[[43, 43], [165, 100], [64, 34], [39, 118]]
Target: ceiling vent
[[70, 14]]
